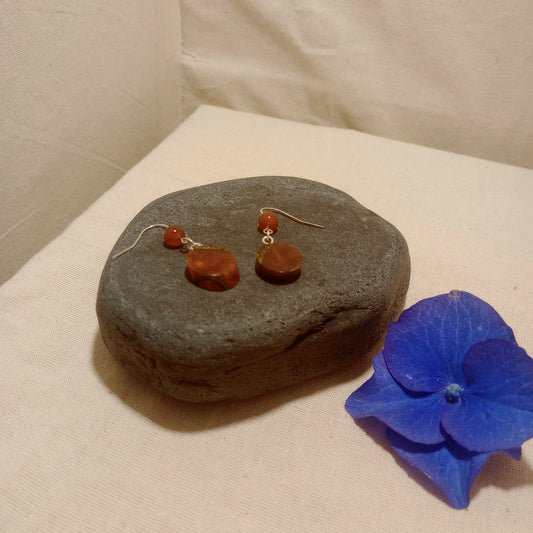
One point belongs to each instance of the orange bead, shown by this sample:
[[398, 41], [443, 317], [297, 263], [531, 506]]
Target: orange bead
[[279, 262], [268, 220], [173, 236], [212, 268]]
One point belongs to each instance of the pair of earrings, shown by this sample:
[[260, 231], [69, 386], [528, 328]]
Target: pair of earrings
[[215, 269]]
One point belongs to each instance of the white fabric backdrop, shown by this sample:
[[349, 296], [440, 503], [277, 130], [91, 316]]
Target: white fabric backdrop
[[453, 75], [87, 88]]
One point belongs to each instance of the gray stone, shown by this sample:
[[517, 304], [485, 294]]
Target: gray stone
[[199, 345]]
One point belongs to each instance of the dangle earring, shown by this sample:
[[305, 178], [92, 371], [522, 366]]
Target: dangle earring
[[209, 267], [278, 262]]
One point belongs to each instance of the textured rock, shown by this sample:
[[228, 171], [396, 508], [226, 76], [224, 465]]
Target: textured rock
[[200, 345]]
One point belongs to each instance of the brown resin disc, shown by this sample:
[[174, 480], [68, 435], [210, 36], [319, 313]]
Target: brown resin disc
[[279, 262], [212, 268]]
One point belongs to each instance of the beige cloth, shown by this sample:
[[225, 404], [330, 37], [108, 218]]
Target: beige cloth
[[451, 75], [86, 446], [87, 88]]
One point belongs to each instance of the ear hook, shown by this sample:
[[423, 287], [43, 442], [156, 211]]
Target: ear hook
[[164, 226], [174, 237], [288, 215]]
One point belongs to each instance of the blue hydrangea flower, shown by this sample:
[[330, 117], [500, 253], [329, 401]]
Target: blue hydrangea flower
[[453, 387]]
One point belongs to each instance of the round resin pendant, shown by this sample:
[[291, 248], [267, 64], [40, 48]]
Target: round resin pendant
[[212, 268], [279, 262]]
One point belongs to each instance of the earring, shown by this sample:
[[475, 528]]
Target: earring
[[209, 267], [278, 262]]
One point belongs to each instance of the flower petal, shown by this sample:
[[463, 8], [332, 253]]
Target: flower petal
[[450, 466], [424, 349], [414, 415], [514, 453], [496, 411]]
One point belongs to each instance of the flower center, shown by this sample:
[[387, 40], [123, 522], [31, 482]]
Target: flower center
[[453, 393]]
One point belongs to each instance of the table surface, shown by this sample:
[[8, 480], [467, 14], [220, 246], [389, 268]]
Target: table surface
[[86, 446]]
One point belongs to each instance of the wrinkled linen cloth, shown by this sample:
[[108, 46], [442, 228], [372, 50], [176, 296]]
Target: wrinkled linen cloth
[[87, 446]]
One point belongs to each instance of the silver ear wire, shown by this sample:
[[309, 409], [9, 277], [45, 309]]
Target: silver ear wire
[[164, 226], [288, 215]]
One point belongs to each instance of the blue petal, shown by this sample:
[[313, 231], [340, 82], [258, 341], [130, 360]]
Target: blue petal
[[514, 453], [414, 415], [450, 466], [496, 411], [424, 349]]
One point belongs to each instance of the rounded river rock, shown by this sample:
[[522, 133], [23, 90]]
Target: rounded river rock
[[199, 345]]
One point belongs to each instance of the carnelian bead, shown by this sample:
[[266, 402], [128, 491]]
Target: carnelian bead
[[279, 262], [268, 220], [212, 268], [173, 236]]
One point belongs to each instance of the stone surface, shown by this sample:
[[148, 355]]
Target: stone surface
[[200, 345]]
